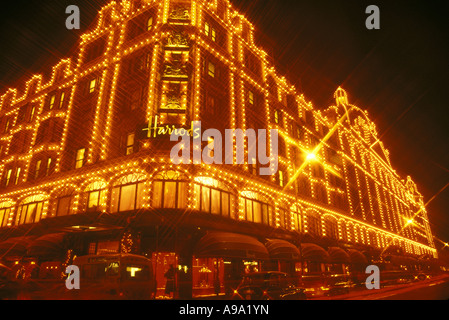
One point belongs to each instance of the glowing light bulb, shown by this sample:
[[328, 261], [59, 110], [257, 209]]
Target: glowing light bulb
[[311, 156]]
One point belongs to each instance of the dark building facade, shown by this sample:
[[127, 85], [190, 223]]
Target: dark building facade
[[86, 167]]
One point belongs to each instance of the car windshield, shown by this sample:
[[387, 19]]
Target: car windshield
[[98, 271]]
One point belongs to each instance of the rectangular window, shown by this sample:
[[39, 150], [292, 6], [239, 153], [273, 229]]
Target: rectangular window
[[282, 218], [29, 213], [211, 69], [207, 29], [128, 197], [8, 177], [251, 97], [37, 169], [106, 247], [170, 194], [4, 217], [52, 102], [63, 206], [205, 199], [16, 180], [225, 204], [182, 195], [93, 200], [197, 191], [296, 221], [48, 167], [281, 178], [265, 217], [249, 210], [210, 31], [257, 206], [61, 100], [80, 155], [215, 202], [6, 126], [32, 111], [157, 194], [276, 117], [130, 143], [92, 85], [149, 23]]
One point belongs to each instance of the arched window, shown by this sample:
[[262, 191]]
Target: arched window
[[256, 208], [331, 227], [95, 193], [5, 211], [212, 196], [62, 205], [170, 190], [30, 210], [127, 193], [313, 223]]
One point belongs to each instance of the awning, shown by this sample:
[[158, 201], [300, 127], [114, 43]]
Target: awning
[[338, 255], [15, 246], [230, 245], [282, 250], [314, 253], [356, 257], [47, 245]]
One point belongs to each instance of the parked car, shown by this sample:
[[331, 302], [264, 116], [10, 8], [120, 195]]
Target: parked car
[[268, 285], [337, 286]]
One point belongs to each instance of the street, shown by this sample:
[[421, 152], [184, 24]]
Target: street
[[436, 288]]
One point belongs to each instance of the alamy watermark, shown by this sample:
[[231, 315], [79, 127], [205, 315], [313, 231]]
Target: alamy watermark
[[189, 148], [373, 280], [73, 279]]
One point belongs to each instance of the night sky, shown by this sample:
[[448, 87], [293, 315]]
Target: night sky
[[398, 73]]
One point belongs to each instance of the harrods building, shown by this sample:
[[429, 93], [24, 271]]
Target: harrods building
[[86, 169]]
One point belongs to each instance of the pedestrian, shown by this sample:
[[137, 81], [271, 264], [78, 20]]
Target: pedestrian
[[170, 283]]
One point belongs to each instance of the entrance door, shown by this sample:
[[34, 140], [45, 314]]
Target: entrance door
[[162, 261]]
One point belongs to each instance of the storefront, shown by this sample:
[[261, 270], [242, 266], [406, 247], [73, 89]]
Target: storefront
[[338, 261], [222, 258], [284, 257]]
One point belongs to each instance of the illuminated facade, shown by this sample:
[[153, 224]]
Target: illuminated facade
[[77, 155]]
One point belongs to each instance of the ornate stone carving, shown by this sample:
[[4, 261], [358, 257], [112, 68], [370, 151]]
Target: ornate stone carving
[[177, 39], [180, 13], [173, 103], [176, 69]]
